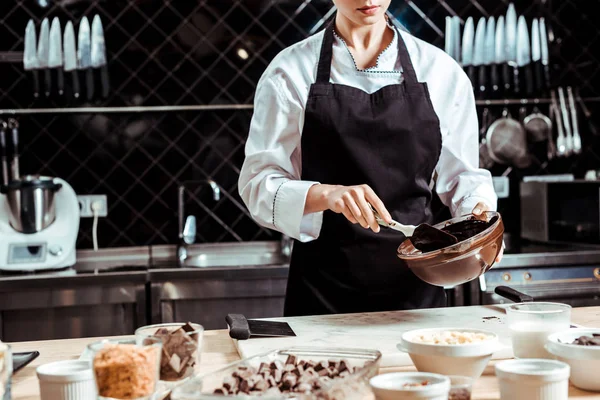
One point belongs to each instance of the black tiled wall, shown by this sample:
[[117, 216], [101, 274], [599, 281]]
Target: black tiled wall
[[189, 52]]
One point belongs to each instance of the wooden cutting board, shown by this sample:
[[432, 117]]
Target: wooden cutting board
[[381, 331]]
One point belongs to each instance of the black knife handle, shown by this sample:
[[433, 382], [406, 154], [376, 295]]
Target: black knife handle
[[105, 81], [47, 82], [35, 79], [528, 77], [512, 294], [516, 79], [471, 74], [238, 326], [75, 81], [482, 80], [547, 78], [539, 77], [89, 79], [495, 78], [506, 78], [60, 81]]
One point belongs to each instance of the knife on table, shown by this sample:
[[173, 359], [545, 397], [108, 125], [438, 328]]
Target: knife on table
[[510, 43], [84, 58], [467, 49], [99, 54], [42, 54], [30, 60], [70, 54], [478, 51], [524, 56], [544, 54], [55, 57], [536, 56], [488, 56], [241, 328], [500, 60]]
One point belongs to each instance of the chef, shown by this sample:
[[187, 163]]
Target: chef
[[361, 112]]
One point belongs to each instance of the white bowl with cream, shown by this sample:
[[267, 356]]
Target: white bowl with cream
[[410, 386], [450, 351]]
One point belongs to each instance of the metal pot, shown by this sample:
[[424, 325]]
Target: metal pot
[[31, 203]]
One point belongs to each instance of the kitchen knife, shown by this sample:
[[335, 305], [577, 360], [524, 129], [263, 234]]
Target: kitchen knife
[[241, 328], [544, 54], [500, 58], [510, 44], [3, 126], [30, 60], [512, 295], [479, 50], [536, 56], [467, 49], [99, 54], [42, 54], [524, 56], [84, 57], [70, 54], [55, 57], [488, 55]]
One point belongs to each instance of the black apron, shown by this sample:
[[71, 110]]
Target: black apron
[[390, 140]]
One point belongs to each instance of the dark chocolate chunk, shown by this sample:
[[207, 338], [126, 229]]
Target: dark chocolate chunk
[[321, 365], [343, 366], [291, 360], [245, 386], [220, 391]]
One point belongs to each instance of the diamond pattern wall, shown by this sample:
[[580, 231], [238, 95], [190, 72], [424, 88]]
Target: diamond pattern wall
[[209, 52]]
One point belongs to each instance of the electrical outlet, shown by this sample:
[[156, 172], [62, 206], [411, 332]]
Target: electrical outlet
[[85, 205]]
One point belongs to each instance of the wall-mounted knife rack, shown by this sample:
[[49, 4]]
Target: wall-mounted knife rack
[[221, 107]]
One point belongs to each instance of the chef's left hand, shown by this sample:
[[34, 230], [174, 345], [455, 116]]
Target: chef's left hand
[[478, 210]]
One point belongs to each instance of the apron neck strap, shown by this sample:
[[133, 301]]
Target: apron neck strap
[[324, 66]]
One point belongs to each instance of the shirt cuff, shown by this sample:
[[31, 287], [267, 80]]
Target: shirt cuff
[[468, 204], [288, 211]]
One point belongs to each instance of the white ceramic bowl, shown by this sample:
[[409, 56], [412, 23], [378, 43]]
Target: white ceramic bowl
[[533, 379], [583, 360], [450, 359], [391, 386], [67, 380]]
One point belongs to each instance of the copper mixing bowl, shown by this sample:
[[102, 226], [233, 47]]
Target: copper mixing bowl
[[461, 262]]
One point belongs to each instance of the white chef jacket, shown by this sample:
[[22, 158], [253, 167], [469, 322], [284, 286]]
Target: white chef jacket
[[270, 181]]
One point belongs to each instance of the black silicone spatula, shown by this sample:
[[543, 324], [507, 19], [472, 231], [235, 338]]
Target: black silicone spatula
[[241, 328]]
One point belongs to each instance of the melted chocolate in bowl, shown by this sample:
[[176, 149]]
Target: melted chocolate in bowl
[[431, 239]]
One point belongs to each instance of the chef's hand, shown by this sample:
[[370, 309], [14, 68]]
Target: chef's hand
[[478, 210], [351, 201]]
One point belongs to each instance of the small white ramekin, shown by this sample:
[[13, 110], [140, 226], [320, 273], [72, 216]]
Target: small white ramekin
[[533, 379], [67, 380]]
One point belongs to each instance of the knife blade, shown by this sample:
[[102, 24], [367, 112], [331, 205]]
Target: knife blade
[[70, 54], [467, 49], [536, 56], [488, 56], [510, 29], [500, 56], [524, 55], [55, 57], [99, 54], [30, 60], [42, 54], [479, 50], [84, 57], [241, 328], [544, 54]]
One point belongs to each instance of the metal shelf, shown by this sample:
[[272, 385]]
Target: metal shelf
[[137, 109], [507, 102]]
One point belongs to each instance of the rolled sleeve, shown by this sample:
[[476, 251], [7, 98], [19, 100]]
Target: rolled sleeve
[[288, 211]]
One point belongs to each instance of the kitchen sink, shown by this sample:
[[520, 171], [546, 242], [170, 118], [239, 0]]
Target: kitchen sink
[[234, 254]]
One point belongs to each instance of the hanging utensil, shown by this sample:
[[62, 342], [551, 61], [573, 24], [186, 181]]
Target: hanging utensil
[[3, 126], [488, 57], [55, 55], [42, 54], [506, 141], [70, 54], [575, 122], [485, 161], [551, 149], [537, 125], [566, 122], [499, 59], [544, 54], [588, 115], [84, 57], [30, 60], [13, 125], [511, 45], [536, 57], [467, 49], [99, 54], [524, 57], [479, 51], [456, 38], [448, 43], [561, 146]]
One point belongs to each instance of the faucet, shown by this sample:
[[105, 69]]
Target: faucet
[[286, 246], [187, 231]]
